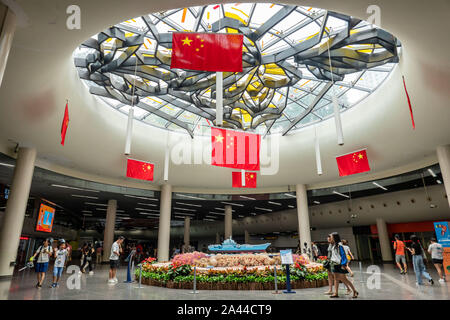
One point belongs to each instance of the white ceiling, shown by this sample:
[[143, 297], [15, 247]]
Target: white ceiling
[[40, 76]]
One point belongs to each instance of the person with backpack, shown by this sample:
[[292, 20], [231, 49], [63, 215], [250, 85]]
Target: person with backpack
[[349, 255], [436, 250], [88, 252], [417, 257], [400, 260], [61, 257], [338, 261], [43, 254]]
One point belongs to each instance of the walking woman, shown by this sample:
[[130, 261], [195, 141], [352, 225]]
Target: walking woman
[[419, 266], [88, 252], [349, 256], [43, 254], [338, 262], [330, 274]]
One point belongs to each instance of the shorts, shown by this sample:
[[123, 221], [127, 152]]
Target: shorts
[[337, 268], [437, 261], [114, 264], [400, 258], [41, 267], [57, 271]]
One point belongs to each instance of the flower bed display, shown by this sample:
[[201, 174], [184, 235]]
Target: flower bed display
[[232, 272]]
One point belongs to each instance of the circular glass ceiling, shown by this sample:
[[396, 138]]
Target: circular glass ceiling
[[294, 60]]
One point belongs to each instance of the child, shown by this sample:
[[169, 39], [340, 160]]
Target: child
[[61, 255]]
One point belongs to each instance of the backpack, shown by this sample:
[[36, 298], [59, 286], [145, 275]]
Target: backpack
[[344, 259]]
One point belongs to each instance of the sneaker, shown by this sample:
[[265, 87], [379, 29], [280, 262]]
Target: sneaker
[[111, 281], [402, 272], [431, 281], [115, 280], [91, 273], [441, 280]]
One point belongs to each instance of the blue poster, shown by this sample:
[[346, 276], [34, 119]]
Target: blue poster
[[442, 233]]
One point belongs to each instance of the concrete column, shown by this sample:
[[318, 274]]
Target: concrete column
[[187, 231], [304, 230], [164, 223], [110, 225], [443, 154], [8, 26], [217, 238], [228, 222], [16, 206], [246, 237], [385, 245]]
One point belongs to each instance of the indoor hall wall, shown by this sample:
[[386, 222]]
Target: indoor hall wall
[[345, 233]]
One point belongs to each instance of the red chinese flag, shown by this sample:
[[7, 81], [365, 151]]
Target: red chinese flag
[[140, 170], [207, 51], [250, 179], [235, 149], [65, 124], [353, 163]]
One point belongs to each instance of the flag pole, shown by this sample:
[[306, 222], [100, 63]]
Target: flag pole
[[131, 115], [337, 114], [317, 148]]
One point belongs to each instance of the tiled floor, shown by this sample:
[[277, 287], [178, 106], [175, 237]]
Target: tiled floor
[[392, 285]]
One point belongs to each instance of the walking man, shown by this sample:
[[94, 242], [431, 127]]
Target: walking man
[[399, 249], [114, 261]]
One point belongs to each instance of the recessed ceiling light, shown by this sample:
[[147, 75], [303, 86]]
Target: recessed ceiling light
[[143, 198], [73, 188], [233, 204], [87, 211], [290, 206], [340, 194], [378, 185], [253, 214], [438, 181], [148, 204], [188, 204], [224, 209], [240, 216], [221, 213], [6, 164], [277, 203], [432, 173], [290, 195], [145, 209], [209, 219], [316, 202], [249, 198], [185, 214], [190, 197], [185, 209], [263, 209], [96, 204], [82, 196]]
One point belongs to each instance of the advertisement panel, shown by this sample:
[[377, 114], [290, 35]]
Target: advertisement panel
[[45, 218], [443, 237]]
